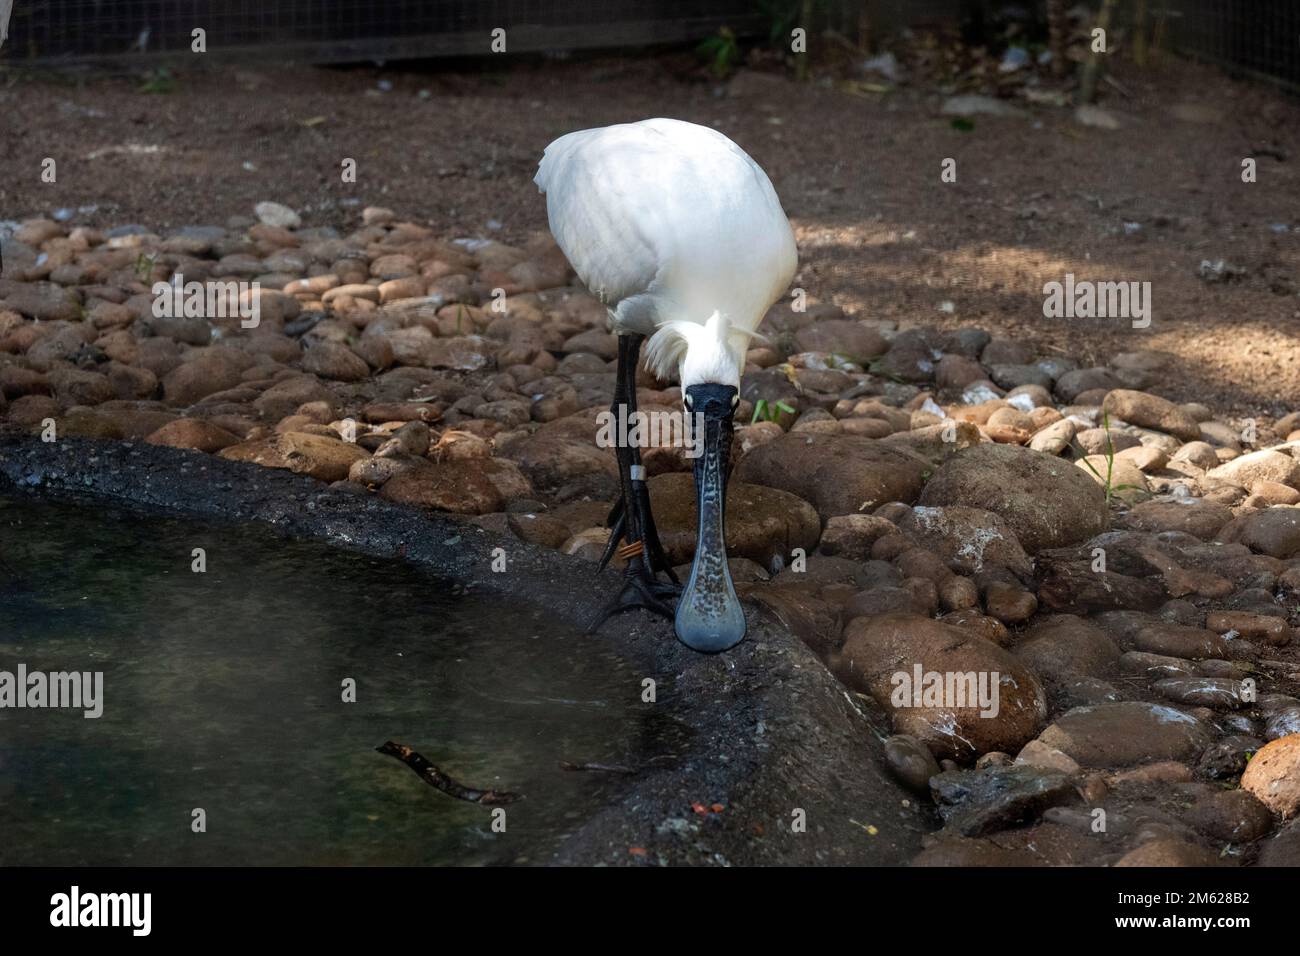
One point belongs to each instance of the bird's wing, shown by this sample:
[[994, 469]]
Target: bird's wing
[[671, 219], [592, 216]]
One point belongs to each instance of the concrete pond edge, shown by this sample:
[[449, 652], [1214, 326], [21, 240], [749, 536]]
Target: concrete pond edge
[[771, 735]]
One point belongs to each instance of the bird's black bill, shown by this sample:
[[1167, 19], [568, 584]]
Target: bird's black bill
[[709, 617]]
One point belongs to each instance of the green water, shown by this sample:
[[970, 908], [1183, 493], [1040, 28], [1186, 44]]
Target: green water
[[223, 691]]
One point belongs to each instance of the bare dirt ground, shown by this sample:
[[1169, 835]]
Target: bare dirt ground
[[879, 233]]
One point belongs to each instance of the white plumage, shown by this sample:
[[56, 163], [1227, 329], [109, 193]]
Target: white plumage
[[678, 232], [6, 6]]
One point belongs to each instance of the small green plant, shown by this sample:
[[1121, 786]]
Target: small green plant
[[722, 52], [844, 361], [765, 411], [159, 82], [1106, 482], [878, 369], [144, 267]]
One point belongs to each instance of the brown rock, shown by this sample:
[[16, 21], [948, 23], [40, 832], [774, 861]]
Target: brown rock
[[284, 397], [1126, 733], [192, 433], [851, 536], [877, 650], [1009, 603], [1273, 776], [1267, 465], [1194, 516], [989, 628], [1045, 501], [838, 474], [318, 455], [1063, 646], [41, 300], [1178, 640], [855, 341], [1038, 754], [1261, 628], [540, 529], [1169, 851], [958, 593], [1151, 411], [73, 386], [1283, 849], [967, 538], [83, 422], [258, 451], [462, 486], [129, 381], [1233, 816], [192, 381], [373, 472], [1273, 531], [330, 360]]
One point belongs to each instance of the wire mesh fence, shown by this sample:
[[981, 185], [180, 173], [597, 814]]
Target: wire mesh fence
[[1260, 38], [341, 30], [1256, 37]]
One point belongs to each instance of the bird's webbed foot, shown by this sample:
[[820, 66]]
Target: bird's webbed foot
[[641, 589]]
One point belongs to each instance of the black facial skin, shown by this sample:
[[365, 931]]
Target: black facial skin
[[709, 616]]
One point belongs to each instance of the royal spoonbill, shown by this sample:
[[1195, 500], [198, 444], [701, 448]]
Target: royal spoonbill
[[682, 237]]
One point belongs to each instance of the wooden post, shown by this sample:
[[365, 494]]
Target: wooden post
[[1058, 35], [1092, 69], [805, 21]]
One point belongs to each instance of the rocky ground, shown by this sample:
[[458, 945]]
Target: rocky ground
[[1127, 566], [856, 162]]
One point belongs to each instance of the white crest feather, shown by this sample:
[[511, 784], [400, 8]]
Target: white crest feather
[[712, 351]]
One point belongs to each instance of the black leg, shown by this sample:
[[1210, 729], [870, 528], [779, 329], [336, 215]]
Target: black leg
[[631, 521]]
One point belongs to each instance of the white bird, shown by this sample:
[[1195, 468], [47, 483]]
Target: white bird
[[681, 235], [6, 7]]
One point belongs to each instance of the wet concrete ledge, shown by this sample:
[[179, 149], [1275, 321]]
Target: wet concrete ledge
[[770, 731]]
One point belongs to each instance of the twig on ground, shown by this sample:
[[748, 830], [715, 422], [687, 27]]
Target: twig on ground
[[596, 767], [435, 778]]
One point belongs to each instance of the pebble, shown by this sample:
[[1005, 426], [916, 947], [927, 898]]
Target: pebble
[[1273, 775], [277, 215]]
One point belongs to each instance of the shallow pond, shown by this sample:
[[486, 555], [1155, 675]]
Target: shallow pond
[[223, 690]]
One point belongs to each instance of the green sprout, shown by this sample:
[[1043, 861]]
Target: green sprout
[[877, 368], [722, 52], [159, 81], [144, 266], [766, 411], [1106, 482]]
